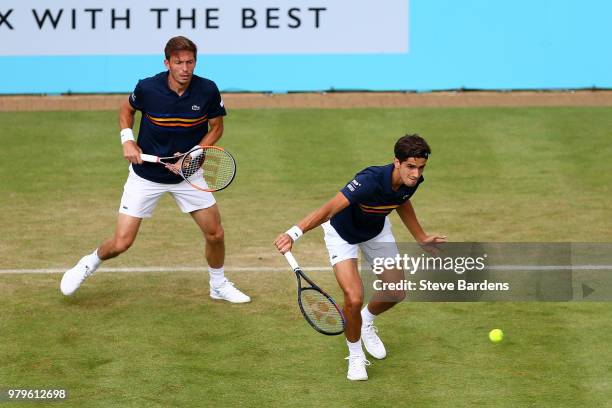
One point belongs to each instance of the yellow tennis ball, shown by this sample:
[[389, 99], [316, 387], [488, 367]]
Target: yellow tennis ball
[[496, 335]]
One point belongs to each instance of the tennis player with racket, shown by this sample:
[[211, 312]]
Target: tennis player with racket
[[182, 119], [357, 218], [318, 308]]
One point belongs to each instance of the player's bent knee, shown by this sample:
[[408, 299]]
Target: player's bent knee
[[215, 237], [353, 301], [397, 296]]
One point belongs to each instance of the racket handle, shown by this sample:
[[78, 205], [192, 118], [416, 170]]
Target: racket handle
[[291, 260], [149, 158]]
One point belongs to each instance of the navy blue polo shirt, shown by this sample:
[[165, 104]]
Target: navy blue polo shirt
[[172, 123], [372, 199]]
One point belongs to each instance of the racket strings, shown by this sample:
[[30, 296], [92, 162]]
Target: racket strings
[[321, 311], [218, 166]]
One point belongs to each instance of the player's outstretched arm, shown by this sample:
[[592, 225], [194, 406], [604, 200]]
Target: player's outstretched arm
[[409, 218], [284, 242]]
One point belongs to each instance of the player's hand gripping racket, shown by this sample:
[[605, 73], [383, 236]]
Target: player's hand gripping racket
[[217, 164], [318, 308]]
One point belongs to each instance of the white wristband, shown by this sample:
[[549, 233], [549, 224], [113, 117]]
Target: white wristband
[[294, 232], [196, 151], [126, 134]]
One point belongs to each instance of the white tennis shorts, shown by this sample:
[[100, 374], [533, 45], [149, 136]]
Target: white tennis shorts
[[140, 196], [382, 245]]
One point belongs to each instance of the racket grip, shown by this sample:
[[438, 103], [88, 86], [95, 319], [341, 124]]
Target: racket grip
[[291, 259], [149, 158]]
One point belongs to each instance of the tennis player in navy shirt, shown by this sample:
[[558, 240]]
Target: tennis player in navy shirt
[[180, 111], [357, 218]]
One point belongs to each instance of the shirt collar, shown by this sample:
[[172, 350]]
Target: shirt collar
[[164, 79]]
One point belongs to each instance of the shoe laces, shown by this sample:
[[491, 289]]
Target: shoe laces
[[357, 361], [226, 286], [370, 330]]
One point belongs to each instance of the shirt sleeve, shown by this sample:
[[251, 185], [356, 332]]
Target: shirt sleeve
[[136, 98], [360, 188], [216, 107]]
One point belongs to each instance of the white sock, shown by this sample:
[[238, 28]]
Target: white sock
[[367, 317], [355, 348], [94, 259], [217, 276]]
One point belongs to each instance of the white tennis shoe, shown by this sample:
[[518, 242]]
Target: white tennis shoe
[[372, 343], [73, 278], [227, 291], [357, 368]]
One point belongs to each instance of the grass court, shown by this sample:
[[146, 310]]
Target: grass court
[[158, 340]]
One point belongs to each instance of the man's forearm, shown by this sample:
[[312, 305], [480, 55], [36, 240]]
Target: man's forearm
[[323, 213], [408, 216], [214, 133]]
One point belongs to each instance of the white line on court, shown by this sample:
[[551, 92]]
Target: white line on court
[[167, 269], [549, 267], [306, 268]]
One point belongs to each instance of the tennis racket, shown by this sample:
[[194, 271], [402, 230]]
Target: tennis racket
[[217, 164], [317, 307]]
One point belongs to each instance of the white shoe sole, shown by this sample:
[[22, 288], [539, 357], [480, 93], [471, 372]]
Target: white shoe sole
[[227, 300]]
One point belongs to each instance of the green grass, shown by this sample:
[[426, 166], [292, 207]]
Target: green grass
[[496, 174], [157, 340]]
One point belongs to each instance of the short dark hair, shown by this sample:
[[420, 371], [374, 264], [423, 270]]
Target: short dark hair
[[180, 43], [411, 146]]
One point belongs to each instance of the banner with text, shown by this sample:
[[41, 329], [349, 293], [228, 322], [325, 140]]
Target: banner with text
[[138, 27]]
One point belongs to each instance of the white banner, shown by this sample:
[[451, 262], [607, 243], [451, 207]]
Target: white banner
[[139, 27]]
